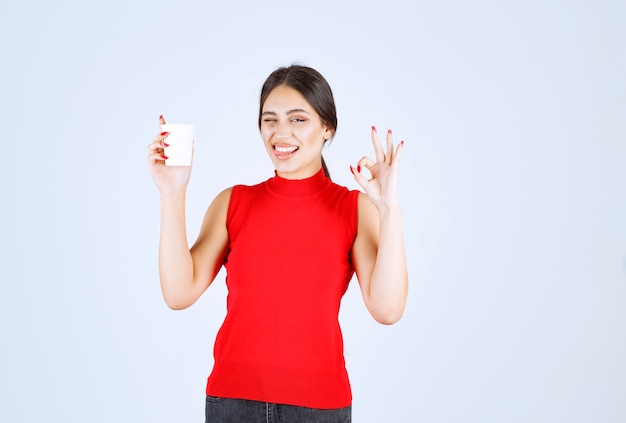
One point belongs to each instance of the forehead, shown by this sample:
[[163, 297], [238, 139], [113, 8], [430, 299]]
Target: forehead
[[284, 98]]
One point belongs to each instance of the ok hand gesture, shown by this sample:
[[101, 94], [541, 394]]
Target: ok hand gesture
[[382, 188]]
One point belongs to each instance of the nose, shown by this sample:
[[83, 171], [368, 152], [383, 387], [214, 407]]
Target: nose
[[282, 130]]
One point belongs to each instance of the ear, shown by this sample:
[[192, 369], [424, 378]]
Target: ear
[[328, 133]]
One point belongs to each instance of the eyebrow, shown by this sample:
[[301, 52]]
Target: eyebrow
[[288, 112]]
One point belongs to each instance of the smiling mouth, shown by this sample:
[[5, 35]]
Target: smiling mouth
[[285, 150]]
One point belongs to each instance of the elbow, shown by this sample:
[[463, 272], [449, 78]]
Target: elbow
[[178, 294], [388, 319], [387, 311], [175, 306], [387, 303], [388, 316], [175, 302]]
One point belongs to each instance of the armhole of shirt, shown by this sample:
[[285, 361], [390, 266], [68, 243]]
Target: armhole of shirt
[[231, 205], [355, 224]]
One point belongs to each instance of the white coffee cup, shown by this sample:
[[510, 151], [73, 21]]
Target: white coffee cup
[[180, 144]]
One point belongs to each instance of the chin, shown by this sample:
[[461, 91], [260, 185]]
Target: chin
[[284, 167]]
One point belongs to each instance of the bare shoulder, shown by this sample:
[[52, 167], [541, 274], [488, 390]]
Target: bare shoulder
[[222, 199], [209, 251], [214, 224]]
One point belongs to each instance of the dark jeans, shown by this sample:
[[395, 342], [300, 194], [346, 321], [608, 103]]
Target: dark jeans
[[227, 410]]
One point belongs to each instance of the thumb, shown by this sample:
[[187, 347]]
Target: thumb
[[359, 178]]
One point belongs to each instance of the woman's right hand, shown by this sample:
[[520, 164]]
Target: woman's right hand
[[168, 179]]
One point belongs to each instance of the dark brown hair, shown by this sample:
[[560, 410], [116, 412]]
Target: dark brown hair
[[313, 87]]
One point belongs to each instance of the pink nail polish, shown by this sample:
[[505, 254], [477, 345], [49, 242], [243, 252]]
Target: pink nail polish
[[402, 143], [373, 128], [389, 131]]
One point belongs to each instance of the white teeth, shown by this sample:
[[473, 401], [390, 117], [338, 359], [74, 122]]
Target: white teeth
[[285, 149]]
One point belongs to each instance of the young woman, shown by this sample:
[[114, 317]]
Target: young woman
[[290, 246]]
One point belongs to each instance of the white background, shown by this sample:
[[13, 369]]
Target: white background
[[513, 187]]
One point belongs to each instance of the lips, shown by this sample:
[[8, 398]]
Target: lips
[[284, 152]]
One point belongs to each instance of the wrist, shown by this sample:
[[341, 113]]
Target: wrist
[[390, 211], [176, 195]]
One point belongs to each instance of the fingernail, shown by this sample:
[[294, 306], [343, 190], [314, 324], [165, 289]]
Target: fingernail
[[402, 143], [358, 169], [160, 117], [351, 170], [163, 134], [373, 128], [164, 144], [163, 156], [389, 131]]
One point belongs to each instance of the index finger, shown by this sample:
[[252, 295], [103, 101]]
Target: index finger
[[378, 149]]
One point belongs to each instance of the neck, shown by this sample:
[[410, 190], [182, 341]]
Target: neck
[[304, 187], [299, 174]]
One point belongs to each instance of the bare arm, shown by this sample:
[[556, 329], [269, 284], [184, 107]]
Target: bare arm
[[380, 262], [378, 251], [185, 273]]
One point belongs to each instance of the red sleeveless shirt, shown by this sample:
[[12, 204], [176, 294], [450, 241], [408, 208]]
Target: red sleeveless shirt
[[288, 266]]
